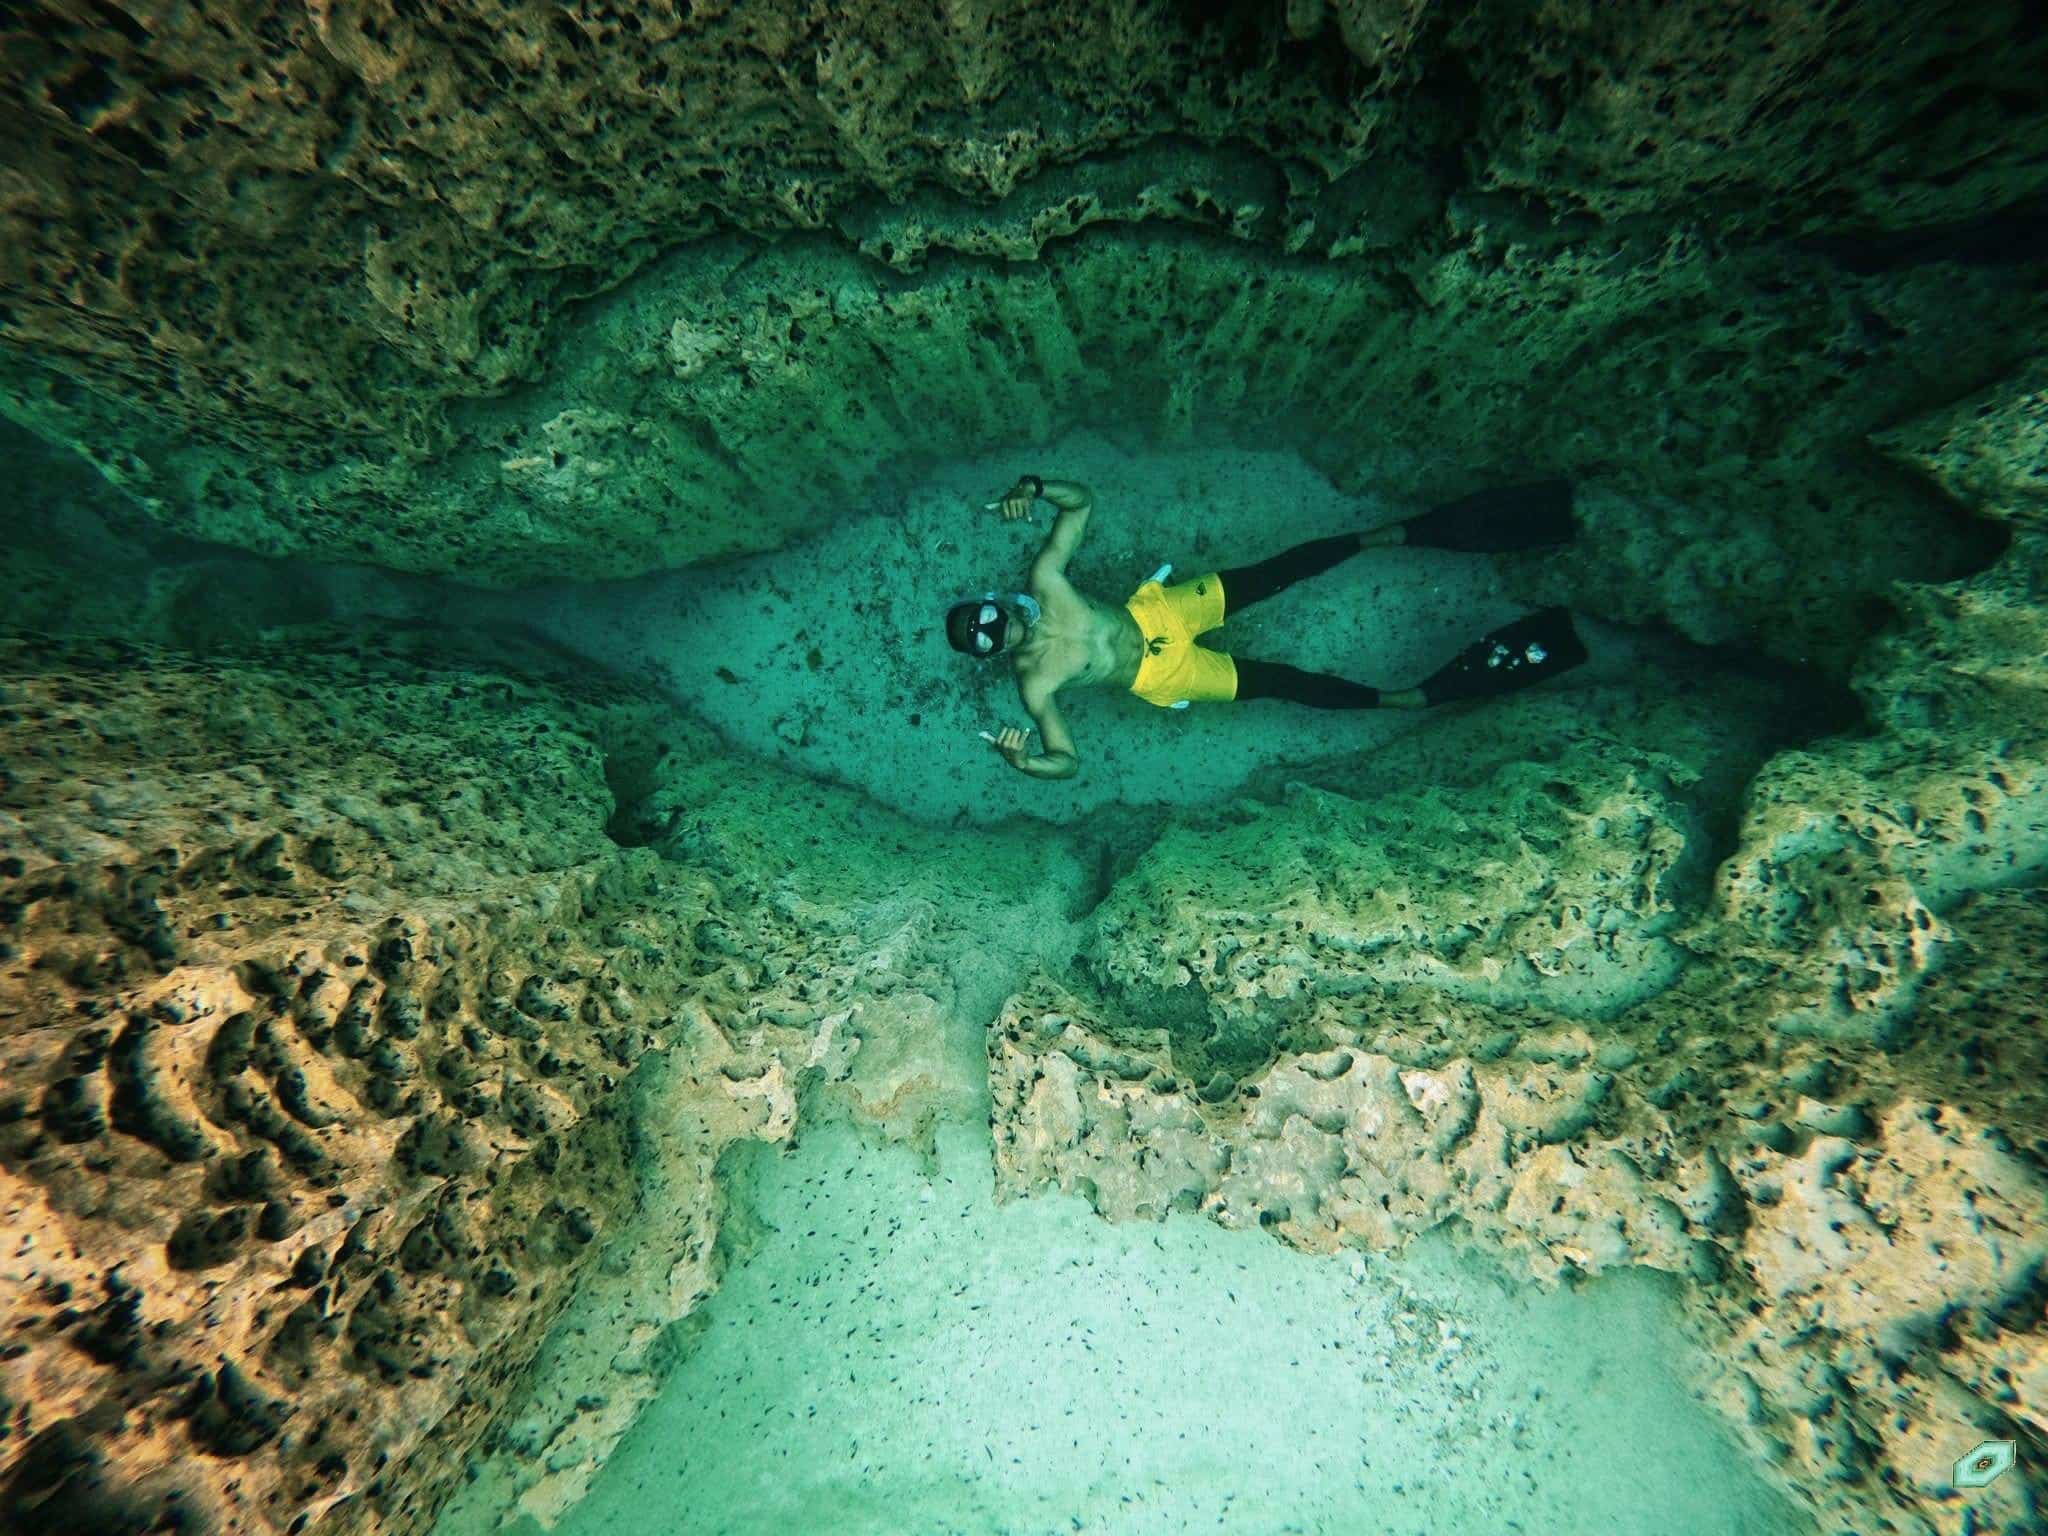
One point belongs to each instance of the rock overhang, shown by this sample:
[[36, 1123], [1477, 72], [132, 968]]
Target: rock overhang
[[519, 291], [379, 326]]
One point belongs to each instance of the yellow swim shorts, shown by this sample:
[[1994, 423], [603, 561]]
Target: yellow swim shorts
[[1175, 668]]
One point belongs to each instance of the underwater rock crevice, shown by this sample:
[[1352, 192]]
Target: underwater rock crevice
[[630, 774], [423, 315], [366, 1011], [715, 354], [2009, 236], [318, 1074], [1828, 1121]]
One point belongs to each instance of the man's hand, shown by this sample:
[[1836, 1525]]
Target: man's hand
[[1011, 744], [1016, 501]]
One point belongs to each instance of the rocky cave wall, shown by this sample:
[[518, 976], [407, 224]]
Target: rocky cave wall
[[325, 280], [334, 1030], [1829, 1112], [343, 1038], [333, 1020]]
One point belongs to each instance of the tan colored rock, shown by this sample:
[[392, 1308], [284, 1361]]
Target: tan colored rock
[[280, 273], [330, 1019], [1827, 1119]]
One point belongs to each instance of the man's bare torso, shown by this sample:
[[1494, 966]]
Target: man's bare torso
[[1078, 642]]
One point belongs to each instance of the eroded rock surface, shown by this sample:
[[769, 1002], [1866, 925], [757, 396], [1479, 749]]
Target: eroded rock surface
[[289, 221], [1831, 1114], [1867, 1262], [342, 989], [513, 291], [333, 1023]]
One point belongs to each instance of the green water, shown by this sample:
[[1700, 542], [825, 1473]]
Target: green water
[[899, 1353]]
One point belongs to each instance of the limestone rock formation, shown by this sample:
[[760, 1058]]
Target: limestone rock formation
[[1829, 1111], [368, 1010], [1870, 1276], [517, 290], [330, 1017]]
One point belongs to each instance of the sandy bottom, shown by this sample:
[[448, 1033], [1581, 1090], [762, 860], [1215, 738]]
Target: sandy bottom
[[899, 1353], [830, 657]]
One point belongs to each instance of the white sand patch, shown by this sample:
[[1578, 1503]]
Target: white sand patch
[[902, 1354]]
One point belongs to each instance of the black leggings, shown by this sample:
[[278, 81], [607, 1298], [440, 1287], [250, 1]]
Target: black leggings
[[1249, 584]]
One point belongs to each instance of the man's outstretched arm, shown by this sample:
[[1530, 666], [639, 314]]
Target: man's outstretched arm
[[1059, 760], [1015, 746], [1075, 503]]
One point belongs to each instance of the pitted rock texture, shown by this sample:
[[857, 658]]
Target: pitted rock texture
[[318, 280], [1866, 1262], [324, 993], [1852, 854], [1573, 873], [864, 935], [1830, 1116], [431, 185]]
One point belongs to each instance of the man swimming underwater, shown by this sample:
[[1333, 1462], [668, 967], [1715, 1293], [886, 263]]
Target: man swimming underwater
[[1062, 638]]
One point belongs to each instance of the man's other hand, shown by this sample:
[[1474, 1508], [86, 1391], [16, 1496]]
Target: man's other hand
[[1016, 501], [1011, 743]]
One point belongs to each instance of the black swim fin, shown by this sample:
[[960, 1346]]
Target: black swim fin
[[1515, 656], [1493, 522]]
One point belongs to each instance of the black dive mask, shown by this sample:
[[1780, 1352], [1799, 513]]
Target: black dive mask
[[988, 627]]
